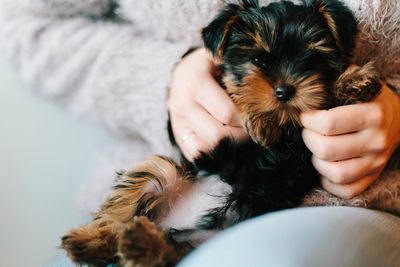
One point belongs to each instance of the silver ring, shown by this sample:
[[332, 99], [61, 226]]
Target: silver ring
[[186, 136]]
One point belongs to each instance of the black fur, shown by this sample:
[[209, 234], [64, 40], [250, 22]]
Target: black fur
[[263, 180], [269, 179], [263, 52], [295, 26]]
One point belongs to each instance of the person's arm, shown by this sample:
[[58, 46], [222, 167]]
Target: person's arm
[[111, 71]]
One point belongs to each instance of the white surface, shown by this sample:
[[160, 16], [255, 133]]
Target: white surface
[[45, 154]]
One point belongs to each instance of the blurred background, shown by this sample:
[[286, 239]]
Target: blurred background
[[45, 155]]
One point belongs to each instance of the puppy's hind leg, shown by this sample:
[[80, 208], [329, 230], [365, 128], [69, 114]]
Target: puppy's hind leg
[[93, 244], [143, 244], [146, 189], [144, 195]]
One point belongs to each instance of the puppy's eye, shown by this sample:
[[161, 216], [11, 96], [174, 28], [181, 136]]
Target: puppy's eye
[[258, 62]]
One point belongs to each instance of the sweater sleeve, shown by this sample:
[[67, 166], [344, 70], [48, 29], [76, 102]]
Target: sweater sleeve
[[58, 8], [112, 72]]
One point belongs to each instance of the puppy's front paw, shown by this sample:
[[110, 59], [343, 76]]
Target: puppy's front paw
[[143, 244], [358, 84]]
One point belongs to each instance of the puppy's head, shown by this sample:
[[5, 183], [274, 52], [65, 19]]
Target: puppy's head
[[280, 60]]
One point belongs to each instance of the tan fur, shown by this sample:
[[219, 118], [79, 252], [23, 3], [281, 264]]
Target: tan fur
[[357, 84], [143, 190], [225, 35], [150, 186], [320, 45], [262, 113], [331, 22], [260, 44], [255, 98], [95, 243], [142, 244]]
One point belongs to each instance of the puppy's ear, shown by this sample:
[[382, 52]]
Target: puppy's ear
[[340, 20], [216, 34], [250, 3]]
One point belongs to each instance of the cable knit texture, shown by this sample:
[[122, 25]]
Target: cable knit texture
[[117, 72]]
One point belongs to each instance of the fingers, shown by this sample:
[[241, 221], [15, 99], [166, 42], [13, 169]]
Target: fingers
[[351, 118], [350, 131], [352, 144], [201, 112], [210, 129], [346, 146], [220, 105], [350, 190], [348, 171], [343, 119], [198, 131], [192, 145], [189, 142]]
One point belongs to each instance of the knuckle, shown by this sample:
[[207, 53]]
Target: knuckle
[[339, 176], [227, 116], [349, 193], [381, 143], [377, 116], [328, 125], [380, 161], [322, 152]]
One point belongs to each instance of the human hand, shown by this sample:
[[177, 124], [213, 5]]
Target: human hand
[[201, 112], [352, 144]]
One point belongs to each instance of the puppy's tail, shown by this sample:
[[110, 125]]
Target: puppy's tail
[[147, 189]]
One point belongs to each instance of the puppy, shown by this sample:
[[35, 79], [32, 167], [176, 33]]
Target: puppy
[[276, 62]]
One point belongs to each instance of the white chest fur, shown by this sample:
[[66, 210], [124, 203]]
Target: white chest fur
[[195, 201]]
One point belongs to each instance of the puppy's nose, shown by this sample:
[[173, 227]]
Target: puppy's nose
[[284, 92]]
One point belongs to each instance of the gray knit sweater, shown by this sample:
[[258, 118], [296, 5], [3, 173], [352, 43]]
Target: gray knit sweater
[[117, 71]]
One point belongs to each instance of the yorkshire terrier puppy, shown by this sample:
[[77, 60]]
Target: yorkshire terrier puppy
[[276, 62]]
